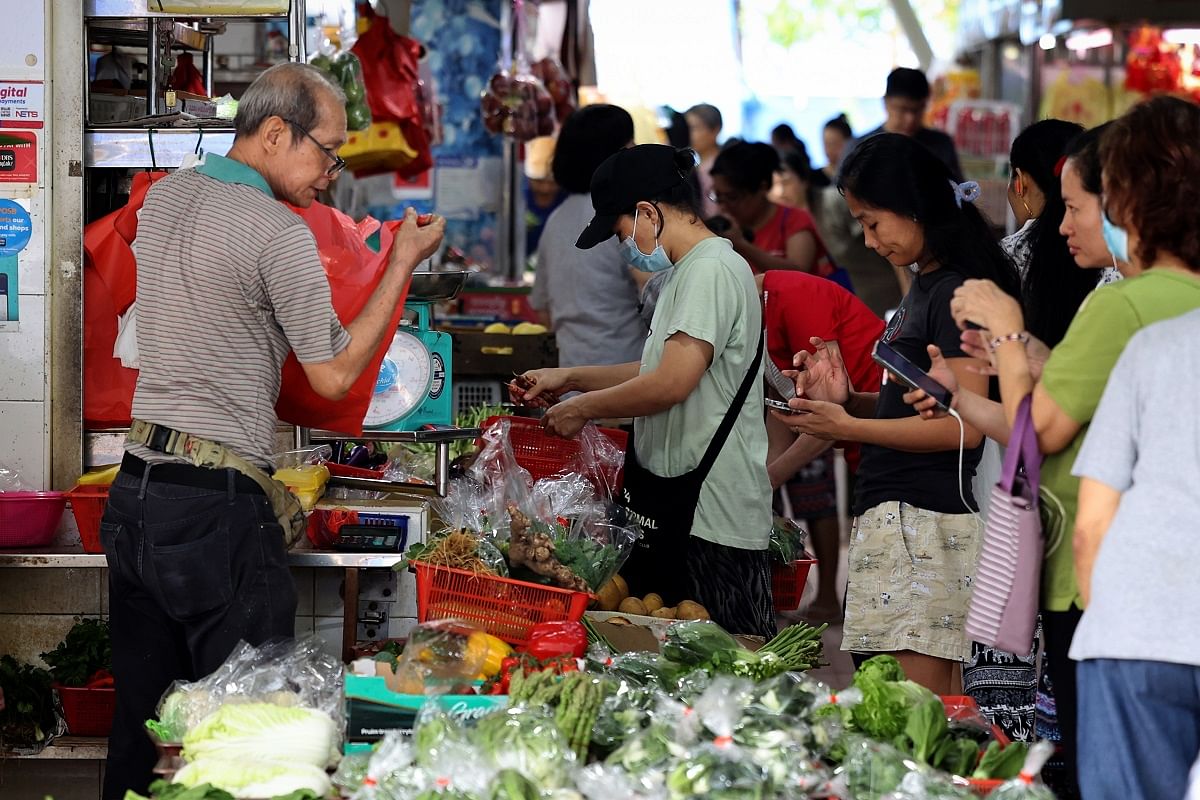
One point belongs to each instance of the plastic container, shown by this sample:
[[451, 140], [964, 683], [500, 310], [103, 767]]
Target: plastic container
[[787, 583], [503, 607], [29, 519], [88, 504], [89, 712], [544, 455]]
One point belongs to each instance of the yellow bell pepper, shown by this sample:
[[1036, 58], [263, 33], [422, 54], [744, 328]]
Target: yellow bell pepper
[[488, 651]]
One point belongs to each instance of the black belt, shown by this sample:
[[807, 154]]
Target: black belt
[[189, 475]]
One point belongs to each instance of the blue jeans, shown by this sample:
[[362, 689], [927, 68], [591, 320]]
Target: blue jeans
[[1139, 729], [191, 572]]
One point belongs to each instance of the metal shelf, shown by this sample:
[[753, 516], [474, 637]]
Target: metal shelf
[[130, 147], [133, 33], [71, 558], [98, 9], [78, 748]]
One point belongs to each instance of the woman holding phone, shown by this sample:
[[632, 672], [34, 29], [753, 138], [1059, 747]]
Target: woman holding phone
[[916, 537], [696, 475]]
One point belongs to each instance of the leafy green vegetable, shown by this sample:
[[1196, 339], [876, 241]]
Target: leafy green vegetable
[[164, 790], [526, 740], [926, 728], [787, 541], [256, 778], [28, 718], [697, 642], [86, 649], [881, 668], [1002, 763], [264, 732], [594, 562], [512, 785]]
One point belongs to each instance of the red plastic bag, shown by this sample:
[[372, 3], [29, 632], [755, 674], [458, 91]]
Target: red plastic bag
[[354, 270], [109, 286], [186, 78], [392, 76]]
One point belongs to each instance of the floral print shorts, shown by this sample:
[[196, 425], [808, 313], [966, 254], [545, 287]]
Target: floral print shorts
[[910, 575]]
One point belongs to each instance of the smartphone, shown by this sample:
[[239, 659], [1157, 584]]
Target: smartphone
[[910, 374], [779, 405]]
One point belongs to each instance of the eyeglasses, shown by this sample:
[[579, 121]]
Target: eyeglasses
[[338, 163]]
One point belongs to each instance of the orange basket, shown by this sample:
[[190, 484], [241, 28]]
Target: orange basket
[[545, 456], [503, 607], [89, 712], [962, 707], [787, 583], [88, 504]]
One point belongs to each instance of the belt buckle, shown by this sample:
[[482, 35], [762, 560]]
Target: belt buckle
[[159, 438]]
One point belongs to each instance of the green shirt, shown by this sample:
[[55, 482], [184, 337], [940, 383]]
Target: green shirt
[[1075, 376], [711, 296]]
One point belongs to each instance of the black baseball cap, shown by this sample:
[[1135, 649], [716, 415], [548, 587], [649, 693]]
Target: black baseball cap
[[625, 177]]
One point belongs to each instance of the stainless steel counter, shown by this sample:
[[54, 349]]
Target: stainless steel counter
[[72, 558]]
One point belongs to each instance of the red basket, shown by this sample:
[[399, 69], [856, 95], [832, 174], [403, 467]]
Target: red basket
[[88, 504], [546, 456], [502, 607], [29, 519], [961, 707], [787, 583], [89, 712]]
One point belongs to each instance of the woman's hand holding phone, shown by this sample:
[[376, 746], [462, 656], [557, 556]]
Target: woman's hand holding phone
[[940, 371]]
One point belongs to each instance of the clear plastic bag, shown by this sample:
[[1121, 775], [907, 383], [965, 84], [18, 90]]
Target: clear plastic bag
[[391, 772], [927, 786], [11, 480], [872, 769], [526, 740], [464, 507], [437, 659], [1027, 786], [280, 672], [606, 782]]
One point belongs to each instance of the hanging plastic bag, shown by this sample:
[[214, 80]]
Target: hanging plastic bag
[[109, 287], [516, 103]]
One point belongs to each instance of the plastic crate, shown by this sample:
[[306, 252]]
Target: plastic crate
[[545, 456], [503, 607], [89, 712], [787, 583], [475, 394], [88, 504], [29, 519]]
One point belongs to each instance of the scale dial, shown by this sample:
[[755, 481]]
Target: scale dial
[[403, 383]]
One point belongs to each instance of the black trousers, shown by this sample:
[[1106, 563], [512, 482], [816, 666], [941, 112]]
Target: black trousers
[[193, 569]]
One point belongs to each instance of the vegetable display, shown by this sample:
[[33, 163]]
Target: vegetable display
[[86, 650], [28, 719]]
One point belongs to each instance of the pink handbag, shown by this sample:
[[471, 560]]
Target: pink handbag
[[1004, 603]]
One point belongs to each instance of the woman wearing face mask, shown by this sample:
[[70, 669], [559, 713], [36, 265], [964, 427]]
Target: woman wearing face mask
[[1072, 380], [696, 476], [783, 238], [914, 525]]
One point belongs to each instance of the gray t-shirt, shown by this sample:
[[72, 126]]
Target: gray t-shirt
[[228, 281], [711, 296], [1144, 441], [590, 294]]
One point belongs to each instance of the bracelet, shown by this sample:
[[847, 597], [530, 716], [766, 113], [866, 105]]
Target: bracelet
[[1022, 337]]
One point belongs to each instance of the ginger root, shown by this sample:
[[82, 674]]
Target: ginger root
[[535, 550]]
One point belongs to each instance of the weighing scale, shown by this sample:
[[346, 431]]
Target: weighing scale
[[414, 384]]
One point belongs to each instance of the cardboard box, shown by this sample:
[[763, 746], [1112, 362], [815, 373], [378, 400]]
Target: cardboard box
[[647, 633], [372, 709], [502, 354]]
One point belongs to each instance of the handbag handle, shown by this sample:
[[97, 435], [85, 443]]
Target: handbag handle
[[1022, 450]]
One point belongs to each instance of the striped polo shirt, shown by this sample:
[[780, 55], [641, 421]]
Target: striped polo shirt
[[228, 281]]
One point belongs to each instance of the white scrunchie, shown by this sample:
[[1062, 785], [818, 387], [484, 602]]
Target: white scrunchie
[[968, 191]]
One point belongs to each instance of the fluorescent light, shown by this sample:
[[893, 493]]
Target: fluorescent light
[[1090, 40], [1048, 41], [1182, 35]]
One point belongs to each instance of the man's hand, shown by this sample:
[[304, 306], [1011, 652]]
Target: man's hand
[[821, 375], [823, 420], [415, 243]]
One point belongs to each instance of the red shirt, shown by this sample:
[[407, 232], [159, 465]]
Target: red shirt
[[799, 306], [783, 225]]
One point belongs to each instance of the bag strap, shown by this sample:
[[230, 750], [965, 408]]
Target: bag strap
[[726, 427], [1022, 450]]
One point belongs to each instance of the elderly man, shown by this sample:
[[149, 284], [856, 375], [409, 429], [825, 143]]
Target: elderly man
[[229, 280]]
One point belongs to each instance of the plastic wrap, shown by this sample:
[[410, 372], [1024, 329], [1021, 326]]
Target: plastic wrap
[[527, 741], [1027, 786], [923, 786], [600, 461], [605, 782], [464, 507], [872, 769], [304, 473], [391, 773], [280, 672], [437, 659], [623, 714], [787, 541], [11, 480]]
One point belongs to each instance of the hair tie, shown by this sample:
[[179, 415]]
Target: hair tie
[[1058, 167], [967, 191]]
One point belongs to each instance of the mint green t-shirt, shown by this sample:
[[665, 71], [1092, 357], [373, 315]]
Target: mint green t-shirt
[[711, 296], [1075, 376]]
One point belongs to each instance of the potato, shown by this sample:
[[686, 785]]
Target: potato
[[609, 597], [691, 610], [653, 602], [631, 605], [622, 586], [663, 613]]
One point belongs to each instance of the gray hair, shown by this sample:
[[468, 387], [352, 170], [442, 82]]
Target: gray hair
[[290, 91]]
